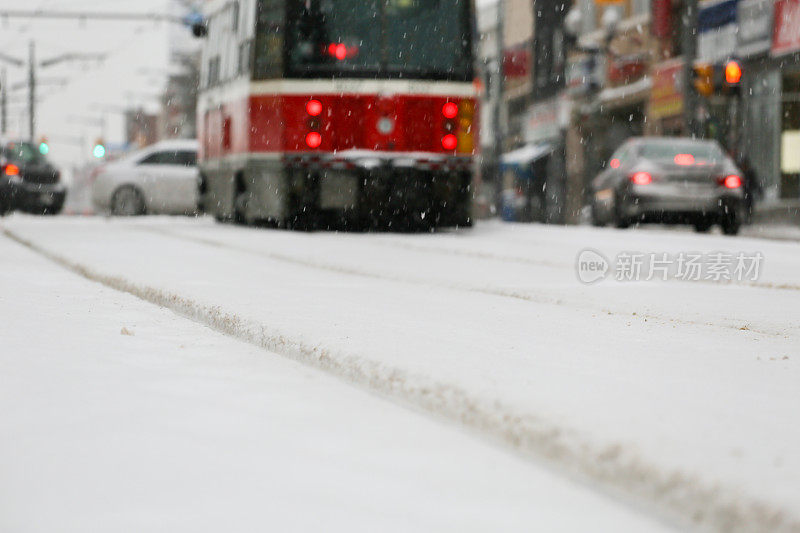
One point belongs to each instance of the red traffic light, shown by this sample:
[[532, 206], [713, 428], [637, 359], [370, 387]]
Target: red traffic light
[[733, 72]]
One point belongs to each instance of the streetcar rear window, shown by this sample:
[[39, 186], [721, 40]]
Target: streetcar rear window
[[406, 38], [334, 35]]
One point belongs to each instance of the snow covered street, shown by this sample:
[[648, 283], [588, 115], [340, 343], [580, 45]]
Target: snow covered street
[[180, 375]]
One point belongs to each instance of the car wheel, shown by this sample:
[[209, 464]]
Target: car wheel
[[621, 221], [127, 202], [596, 221], [240, 208], [703, 226], [731, 222]]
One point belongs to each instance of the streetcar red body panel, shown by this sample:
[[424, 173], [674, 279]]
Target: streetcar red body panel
[[281, 123]]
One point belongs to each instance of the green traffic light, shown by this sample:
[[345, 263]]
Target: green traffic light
[[44, 149], [99, 151]]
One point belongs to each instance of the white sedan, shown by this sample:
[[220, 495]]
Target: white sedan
[[160, 179]]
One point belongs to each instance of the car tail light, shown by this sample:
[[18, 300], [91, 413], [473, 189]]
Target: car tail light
[[11, 170], [313, 139], [684, 159], [732, 182], [314, 108], [615, 163], [642, 178]]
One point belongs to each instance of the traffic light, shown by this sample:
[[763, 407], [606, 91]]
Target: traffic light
[[197, 23], [99, 150], [44, 147], [733, 77], [704, 79]]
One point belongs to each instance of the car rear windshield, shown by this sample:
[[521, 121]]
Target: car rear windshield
[[23, 152], [689, 152]]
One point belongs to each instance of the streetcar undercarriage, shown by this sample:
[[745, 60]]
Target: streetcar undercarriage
[[307, 197]]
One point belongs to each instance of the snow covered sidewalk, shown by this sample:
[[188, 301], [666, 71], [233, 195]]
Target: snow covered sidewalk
[[117, 415]]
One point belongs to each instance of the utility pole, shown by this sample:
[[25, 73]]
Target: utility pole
[[689, 48], [497, 118], [32, 91], [3, 102]]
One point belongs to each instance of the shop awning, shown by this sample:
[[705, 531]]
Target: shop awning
[[527, 154], [638, 91]]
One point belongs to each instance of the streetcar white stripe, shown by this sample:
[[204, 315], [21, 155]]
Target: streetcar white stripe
[[240, 89]]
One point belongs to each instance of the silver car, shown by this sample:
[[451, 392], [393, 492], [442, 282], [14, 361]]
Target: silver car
[[670, 180], [160, 179]]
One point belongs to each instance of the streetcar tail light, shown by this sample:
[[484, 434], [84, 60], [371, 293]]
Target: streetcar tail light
[[449, 142], [457, 125], [314, 108], [450, 110], [732, 182], [641, 178], [466, 136], [11, 170], [313, 139]]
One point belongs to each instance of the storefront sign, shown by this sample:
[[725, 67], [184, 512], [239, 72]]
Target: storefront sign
[[790, 152], [755, 27], [666, 97], [517, 62], [546, 119], [581, 73], [543, 121], [786, 37], [717, 30], [626, 69]]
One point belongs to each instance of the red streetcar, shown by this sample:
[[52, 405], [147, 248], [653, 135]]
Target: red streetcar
[[359, 113]]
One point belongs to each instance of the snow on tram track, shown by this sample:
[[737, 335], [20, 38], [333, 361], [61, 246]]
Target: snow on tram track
[[673, 494], [516, 294]]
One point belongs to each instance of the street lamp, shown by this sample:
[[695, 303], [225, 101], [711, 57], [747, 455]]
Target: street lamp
[[573, 28], [573, 22]]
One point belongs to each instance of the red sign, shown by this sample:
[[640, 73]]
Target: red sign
[[662, 18], [517, 61], [624, 70], [786, 36]]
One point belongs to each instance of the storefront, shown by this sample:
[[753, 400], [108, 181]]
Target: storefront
[[534, 175], [785, 48], [769, 44], [761, 94]]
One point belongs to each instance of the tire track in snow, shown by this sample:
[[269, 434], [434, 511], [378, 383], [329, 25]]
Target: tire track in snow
[[522, 295], [673, 495]]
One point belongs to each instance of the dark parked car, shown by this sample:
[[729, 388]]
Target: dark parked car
[[670, 180], [28, 182]]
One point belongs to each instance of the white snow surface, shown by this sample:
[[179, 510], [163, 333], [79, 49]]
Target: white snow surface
[[117, 415], [679, 398]]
